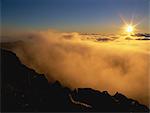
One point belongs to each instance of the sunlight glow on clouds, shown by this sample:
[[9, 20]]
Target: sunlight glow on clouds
[[112, 63]]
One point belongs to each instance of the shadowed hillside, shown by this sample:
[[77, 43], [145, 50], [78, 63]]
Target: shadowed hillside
[[25, 90]]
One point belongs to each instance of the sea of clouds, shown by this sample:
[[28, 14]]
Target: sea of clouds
[[103, 62]]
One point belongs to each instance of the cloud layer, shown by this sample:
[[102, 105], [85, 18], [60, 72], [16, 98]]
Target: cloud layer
[[115, 65]]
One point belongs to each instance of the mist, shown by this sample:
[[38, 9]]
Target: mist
[[77, 60]]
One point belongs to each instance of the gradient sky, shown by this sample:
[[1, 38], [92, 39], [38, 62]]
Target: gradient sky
[[74, 15]]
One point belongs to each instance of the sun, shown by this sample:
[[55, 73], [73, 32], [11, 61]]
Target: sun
[[129, 29]]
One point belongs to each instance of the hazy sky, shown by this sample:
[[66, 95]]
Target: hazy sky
[[74, 15]]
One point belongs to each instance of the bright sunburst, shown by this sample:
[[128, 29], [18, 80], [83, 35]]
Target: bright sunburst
[[129, 28]]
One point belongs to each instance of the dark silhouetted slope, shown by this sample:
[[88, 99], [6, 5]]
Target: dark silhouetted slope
[[25, 90]]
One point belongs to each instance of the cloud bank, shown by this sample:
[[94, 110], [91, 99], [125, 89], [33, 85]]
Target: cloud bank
[[76, 60]]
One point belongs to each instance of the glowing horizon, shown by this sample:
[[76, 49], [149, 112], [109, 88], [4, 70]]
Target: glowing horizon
[[90, 16]]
